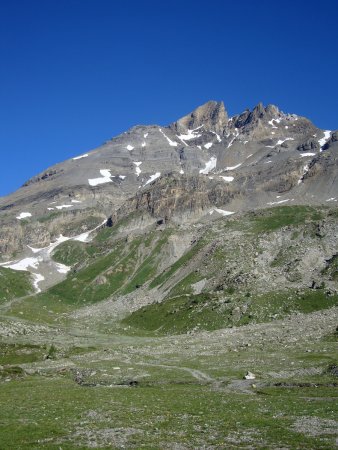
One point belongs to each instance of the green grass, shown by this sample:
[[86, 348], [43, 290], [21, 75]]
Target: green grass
[[20, 353], [49, 413], [165, 275], [275, 218], [73, 252], [14, 283], [332, 268], [148, 268], [207, 311], [181, 314]]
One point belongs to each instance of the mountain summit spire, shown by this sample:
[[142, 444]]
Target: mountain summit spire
[[212, 115]]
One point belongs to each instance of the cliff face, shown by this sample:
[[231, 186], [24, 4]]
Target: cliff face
[[173, 198]]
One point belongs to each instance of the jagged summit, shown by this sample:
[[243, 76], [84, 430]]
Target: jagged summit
[[212, 115]]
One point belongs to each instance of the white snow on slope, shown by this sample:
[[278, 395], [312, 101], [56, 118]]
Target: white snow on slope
[[181, 171], [61, 268], [211, 164], [76, 201], [280, 201], [145, 135], [272, 121], [191, 135], [153, 177], [208, 145], [221, 211], [122, 177], [23, 215], [305, 171], [37, 278], [137, 168], [143, 144], [63, 206], [332, 199], [235, 136], [227, 179], [130, 147], [323, 140], [24, 263], [302, 155], [106, 178], [44, 256], [80, 157], [217, 136], [172, 143], [232, 167], [280, 142]]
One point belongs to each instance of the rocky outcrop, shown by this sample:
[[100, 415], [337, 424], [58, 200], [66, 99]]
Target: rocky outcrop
[[212, 115], [173, 197]]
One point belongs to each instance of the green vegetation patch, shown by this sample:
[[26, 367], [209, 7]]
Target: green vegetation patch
[[14, 283], [332, 268], [166, 274], [181, 314], [73, 252], [20, 353], [282, 216], [207, 311]]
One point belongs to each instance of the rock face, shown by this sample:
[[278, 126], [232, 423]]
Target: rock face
[[212, 116], [204, 161]]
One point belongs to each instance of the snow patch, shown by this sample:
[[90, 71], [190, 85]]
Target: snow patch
[[232, 167], [181, 172], [227, 179], [61, 268], [106, 178], [222, 212], [302, 155], [211, 164], [80, 157], [190, 135], [130, 147], [235, 136], [171, 143], [153, 177], [271, 122], [122, 177], [24, 263], [76, 201], [217, 136], [63, 206], [145, 135], [23, 215], [143, 144], [323, 140], [280, 201], [208, 145], [137, 168], [305, 171], [37, 278]]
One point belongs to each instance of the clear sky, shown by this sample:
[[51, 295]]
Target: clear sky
[[74, 73]]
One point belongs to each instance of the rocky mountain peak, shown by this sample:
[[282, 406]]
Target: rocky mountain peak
[[212, 115], [259, 112]]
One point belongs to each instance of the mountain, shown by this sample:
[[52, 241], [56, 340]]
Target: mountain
[[175, 288], [259, 158]]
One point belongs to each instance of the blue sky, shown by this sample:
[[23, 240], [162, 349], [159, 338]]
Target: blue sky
[[76, 73]]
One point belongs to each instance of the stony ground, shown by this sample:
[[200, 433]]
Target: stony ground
[[73, 387]]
